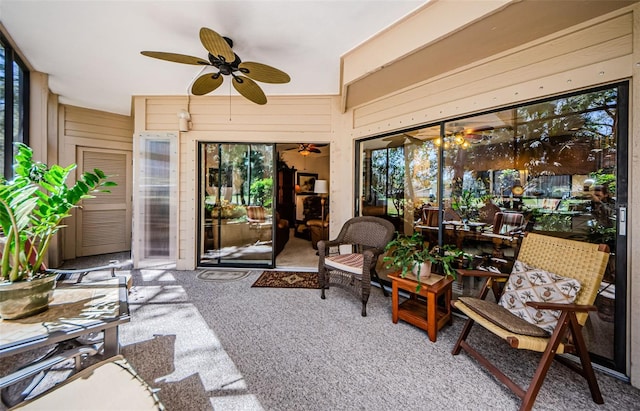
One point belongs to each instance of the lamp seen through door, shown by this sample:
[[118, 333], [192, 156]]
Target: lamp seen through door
[[321, 188]]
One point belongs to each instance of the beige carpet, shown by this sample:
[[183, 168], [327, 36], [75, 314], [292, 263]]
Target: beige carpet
[[297, 254]]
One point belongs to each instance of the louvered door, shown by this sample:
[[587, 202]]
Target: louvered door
[[103, 223]]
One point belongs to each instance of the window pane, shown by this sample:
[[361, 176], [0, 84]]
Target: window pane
[[2, 109], [400, 176], [14, 110], [18, 103]]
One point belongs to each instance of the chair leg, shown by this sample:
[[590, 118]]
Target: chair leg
[[587, 368], [377, 278], [463, 336], [545, 362], [322, 280]]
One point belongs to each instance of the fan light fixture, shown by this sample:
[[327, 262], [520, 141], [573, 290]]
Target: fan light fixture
[[222, 57], [306, 149]]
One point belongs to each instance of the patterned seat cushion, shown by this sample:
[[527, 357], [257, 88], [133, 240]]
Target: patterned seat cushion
[[528, 283], [351, 263], [256, 213], [505, 223], [502, 317]]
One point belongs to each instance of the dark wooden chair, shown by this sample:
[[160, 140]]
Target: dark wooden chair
[[584, 262], [349, 261], [508, 223], [486, 213]]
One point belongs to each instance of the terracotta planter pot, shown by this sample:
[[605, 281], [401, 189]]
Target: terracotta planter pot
[[25, 298]]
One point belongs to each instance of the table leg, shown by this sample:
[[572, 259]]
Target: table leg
[[394, 302], [111, 344], [447, 303], [432, 320]]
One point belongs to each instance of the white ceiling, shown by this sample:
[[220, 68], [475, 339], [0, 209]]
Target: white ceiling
[[91, 48]]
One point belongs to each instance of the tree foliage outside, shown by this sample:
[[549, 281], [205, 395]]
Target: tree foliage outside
[[547, 149]]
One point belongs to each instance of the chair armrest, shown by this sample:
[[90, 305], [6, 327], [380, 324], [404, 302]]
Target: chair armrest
[[330, 243], [561, 306], [371, 255], [323, 248], [373, 251], [480, 273]]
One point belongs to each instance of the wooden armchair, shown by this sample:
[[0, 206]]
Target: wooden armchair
[[349, 261], [573, 261]]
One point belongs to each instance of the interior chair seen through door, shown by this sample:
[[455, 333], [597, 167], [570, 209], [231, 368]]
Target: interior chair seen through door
[[349, 260], [576, 269]]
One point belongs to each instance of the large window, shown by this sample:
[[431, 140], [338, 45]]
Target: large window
[[558, 167], [14, 104]]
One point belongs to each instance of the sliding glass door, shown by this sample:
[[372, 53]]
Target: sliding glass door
[[558, 167], [236, 204]]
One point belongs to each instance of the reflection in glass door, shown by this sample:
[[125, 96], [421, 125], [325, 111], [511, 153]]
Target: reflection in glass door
[[558, 167], [236, 207]]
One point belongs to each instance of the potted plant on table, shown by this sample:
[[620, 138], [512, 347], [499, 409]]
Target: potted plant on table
[[32, 207], [411, 254]]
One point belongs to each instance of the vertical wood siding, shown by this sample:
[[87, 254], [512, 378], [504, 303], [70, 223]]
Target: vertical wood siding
[[280, 114], [596, 54], [111, 135]]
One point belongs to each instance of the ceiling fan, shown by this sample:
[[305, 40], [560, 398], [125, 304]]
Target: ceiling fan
[[222, 57], [306, 148], [402, 139]]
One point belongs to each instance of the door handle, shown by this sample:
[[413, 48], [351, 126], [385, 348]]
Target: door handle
[[622, 221]]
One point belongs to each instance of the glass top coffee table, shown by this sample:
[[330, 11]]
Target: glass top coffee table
[[75, 310]]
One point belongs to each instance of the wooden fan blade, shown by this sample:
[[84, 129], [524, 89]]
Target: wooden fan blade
[[176, 58], [249, 89], [216, 45], [206, 83], [264, 73]]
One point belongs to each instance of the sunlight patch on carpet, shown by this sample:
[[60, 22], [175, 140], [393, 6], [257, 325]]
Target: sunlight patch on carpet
[[287, 279]]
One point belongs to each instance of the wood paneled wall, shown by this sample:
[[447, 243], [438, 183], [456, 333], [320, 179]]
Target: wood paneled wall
[[222, 119], [280, 114], [111, 134], [574, 59]]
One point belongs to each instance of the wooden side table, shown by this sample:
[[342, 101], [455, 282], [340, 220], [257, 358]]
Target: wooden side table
[[427, 315]]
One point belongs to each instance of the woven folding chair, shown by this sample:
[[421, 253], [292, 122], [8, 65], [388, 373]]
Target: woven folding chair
[[572, 260]]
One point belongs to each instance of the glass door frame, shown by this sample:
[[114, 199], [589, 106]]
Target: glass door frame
[[201, 209]]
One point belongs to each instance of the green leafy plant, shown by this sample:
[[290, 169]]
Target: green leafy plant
[[408, 252], [261, 192], [602, 178], [467, 204], [552, 221], [601, 234], [32, 207]]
